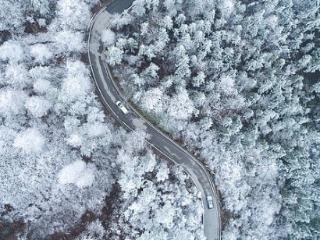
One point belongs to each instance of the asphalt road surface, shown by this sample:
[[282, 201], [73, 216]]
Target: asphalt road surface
[[110, 94]]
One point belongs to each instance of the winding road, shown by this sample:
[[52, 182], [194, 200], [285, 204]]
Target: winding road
[[110, 94]]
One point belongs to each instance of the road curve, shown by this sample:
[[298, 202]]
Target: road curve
[[110, 94]]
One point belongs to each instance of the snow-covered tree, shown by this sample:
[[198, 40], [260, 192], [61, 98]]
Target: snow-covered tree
[[12, 102], [77, 173], [12, 51], [114, 55], [68, 41], [41, 53], [11, 15], [73, 14], [107, 37], [180, 106], [43, 6], [17, 76], [37, 106], [76, 85], [30, 141], [152, 100]]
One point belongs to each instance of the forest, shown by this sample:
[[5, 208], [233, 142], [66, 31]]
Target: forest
[[235, 82], [67, 170], [238, 83]]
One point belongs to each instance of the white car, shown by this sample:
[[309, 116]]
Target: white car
[[122, 107], [210, 201]]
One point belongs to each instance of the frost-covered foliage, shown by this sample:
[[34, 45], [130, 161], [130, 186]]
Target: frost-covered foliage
[[238, 81], [95, 230], [11, 14], [15, 14], [54, 137], [158, 202], [78, 173], [60, 155]]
